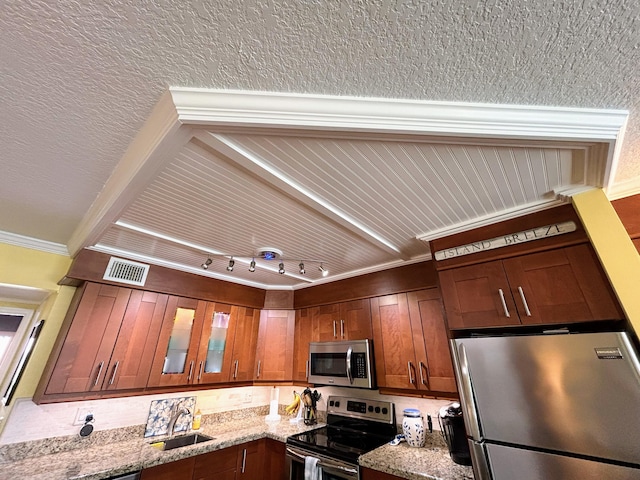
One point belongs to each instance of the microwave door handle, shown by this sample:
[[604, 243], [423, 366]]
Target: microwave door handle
[[349, 375]]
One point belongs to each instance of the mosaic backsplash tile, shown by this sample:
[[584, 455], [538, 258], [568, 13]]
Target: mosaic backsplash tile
[[160, 414]]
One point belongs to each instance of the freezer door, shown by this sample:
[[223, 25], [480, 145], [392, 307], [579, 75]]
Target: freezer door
[[576, 393], [512, 463]]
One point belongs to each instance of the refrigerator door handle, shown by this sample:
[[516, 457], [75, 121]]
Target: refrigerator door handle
[[466, 392]]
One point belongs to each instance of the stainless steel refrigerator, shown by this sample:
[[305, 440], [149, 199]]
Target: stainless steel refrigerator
[[551, 406]]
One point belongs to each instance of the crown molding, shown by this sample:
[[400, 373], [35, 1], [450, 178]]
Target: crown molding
[[265, 109], [33, 243]]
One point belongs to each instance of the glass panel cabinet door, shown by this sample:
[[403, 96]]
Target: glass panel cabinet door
[[176, 357], [217, 342]]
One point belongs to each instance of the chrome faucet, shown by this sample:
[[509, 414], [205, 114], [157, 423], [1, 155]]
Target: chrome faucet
[[177, 410]]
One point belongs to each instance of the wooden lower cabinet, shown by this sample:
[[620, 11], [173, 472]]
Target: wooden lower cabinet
[[410, 342], [369, 474], [262, 459]]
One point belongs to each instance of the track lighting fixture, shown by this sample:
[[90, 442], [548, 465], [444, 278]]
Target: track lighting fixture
[[264, 254]]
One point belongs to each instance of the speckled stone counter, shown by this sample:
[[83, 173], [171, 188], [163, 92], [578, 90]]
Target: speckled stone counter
[[431, 461], [112, 453]]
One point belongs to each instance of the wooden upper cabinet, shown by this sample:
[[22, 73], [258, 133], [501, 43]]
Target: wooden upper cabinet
[[552, 287], [245, 340], [342, 321], [274, 355], [216, 344], [303, 335]]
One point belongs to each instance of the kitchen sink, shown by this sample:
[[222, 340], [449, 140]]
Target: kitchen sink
[[181, 441]]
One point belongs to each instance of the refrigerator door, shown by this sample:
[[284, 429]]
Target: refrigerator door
[[577, 393], [509, 463]]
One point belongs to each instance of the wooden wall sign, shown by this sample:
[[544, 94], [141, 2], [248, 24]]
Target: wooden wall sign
[[507, 240]]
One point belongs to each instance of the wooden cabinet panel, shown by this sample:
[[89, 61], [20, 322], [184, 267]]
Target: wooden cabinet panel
[[178, 470], [410, 342], [275, 460], [327, 320], [435, 368], [393, 342], [274, 356], [83, 360], [217, 465], [473, 296], [244, 343], [303, 335], [551, 287], [342, 321], [134, 350], [251, 460]]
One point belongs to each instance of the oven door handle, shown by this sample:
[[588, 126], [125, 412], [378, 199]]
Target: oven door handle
[[323, 463], [349, 375]]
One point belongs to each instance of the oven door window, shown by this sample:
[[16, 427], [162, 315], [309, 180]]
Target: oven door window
[[329, 364]]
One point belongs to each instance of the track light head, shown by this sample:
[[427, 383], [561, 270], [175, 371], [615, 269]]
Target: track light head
[[281, 268], [302, 270], [324, 271], [252, 265], [230, 266], [206, 264]]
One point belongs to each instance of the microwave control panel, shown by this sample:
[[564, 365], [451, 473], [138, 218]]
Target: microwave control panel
[[359, 365]]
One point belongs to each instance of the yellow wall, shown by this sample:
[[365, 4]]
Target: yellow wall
[[32, 268], [615, 249]]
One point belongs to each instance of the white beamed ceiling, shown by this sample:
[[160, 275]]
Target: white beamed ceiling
[[359, 184]]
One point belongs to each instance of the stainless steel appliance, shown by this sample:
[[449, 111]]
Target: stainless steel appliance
[[346, 364], [551, 406], [354, 426]]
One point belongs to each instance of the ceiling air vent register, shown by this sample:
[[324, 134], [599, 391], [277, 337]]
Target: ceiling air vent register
[[126, 271]]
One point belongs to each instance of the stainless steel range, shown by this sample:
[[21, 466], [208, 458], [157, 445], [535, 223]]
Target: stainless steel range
[[354, 426]]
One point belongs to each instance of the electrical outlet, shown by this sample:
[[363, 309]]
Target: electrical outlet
[[81, 415]]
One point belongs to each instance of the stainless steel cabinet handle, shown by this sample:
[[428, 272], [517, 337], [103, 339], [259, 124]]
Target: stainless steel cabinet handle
[[113, 375], [95, 384], [342, 328], [524, 302], [411, 379], [244, 459], [335, 334], [504, 303], [258, 375], [190, 371], [235, 372], [200, 371], [422, 367]]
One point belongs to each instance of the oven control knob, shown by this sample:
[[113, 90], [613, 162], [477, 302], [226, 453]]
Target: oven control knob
[[370, 408], [385, 410], [377, 409]]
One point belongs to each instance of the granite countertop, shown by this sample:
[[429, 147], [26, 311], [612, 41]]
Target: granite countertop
[[116, 452], [111, 455], [429, 462]]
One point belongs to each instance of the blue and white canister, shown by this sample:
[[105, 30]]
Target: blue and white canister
[[413, 427]]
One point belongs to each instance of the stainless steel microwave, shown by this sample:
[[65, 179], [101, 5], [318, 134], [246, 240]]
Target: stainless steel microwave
[[344, 364]]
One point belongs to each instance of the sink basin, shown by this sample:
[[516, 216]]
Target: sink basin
[[181, 441]]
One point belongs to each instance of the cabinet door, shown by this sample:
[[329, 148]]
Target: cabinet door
[[355, 320], [244, 343], [478, 296], [134, 350], [82, 363], [275, 460], [275, 345], [435, 369], [326, 319], [303, 335], [393, 342], [178, 470], [560, 286], [250, 464], [216, 344], [217, 465], [175, 355]]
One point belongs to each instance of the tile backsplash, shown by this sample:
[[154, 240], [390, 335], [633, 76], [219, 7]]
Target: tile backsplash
[[28, 421], [160, 413]]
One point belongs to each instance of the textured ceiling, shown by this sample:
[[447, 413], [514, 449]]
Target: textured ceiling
[[78, 79]]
